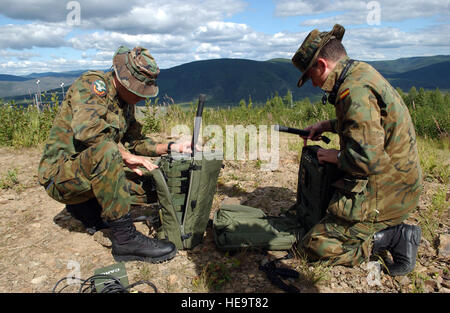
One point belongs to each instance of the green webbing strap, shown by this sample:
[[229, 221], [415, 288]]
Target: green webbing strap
[[168, 205], [178, 200]]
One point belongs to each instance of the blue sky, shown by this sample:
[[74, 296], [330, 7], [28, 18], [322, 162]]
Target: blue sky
[[36, 35]]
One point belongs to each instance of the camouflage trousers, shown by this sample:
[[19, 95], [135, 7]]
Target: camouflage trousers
[[344, 236], [340, 242], [99, 172]]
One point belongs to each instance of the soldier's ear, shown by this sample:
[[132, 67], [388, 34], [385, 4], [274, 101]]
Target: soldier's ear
[[321, 65]]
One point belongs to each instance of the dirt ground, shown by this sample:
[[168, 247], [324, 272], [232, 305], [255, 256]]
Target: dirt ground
[[40, 243]]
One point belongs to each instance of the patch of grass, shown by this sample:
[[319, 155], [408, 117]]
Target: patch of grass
[[216, 274], [151, 122], [200, 283], [26, 126], [417, 282], [237, 190], [9, 180], [147, 272], [258, 163], [234, 177], [430, 218], [311, 273], [434, 159]]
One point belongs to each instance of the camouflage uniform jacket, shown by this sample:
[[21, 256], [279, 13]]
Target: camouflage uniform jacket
[[378, 147], [91, 113]]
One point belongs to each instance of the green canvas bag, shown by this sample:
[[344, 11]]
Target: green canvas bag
[[185, 190], [239, 226], [185, 187]]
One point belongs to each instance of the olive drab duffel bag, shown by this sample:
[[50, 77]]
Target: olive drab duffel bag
[[239, 226], [185, 189]]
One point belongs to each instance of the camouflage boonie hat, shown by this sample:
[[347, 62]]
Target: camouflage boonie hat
[[137, 70], [305, 57]]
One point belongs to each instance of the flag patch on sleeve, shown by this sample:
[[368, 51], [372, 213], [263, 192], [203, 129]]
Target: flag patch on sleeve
[[344, 94]]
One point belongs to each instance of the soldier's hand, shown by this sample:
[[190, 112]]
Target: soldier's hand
[[185, 147], [133, 162], [314, 133], [327, 155], [316, 130], [182, 147]]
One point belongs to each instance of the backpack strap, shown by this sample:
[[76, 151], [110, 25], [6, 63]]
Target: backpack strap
[[273, 272], [337, 85]]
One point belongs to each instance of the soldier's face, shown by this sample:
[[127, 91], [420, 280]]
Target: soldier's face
[[125, 94], [130, 97], [319, 72]]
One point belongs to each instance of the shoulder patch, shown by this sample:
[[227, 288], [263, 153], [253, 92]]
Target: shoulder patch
[[99, 88], [344, 94]]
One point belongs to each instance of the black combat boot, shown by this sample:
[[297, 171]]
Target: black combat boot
[[130, 245], [89, 213], [402, 241]]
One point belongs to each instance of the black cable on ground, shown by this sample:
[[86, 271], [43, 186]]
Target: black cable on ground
[[113, 286]]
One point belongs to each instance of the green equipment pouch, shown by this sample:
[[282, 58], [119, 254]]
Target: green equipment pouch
[[314, 188], [240, 226], [185, 189]]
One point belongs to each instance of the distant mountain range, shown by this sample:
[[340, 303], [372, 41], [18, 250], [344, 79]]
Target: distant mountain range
[[227, 81]]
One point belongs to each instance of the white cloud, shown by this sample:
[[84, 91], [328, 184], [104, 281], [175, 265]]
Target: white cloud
[[354, 12], [384, 41], [221, 31], [207, 48], [59, 64], [390, 43], [168, 16], [57, 11], [178, 32], [33, 35], [131, 16], [110, 41], [7, 54], [213, 40], [102, 55]]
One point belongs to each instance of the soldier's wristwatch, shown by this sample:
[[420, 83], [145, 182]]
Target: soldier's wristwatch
[[169, 147]]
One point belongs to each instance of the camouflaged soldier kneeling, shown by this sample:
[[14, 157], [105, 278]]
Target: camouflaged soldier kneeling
[[378, 154], [93, 160]]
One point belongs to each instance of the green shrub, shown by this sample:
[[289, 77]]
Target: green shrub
[[25, 126], [151, 122], [430, 112], [9, 180]]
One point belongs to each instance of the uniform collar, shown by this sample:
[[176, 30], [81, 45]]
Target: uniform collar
[[112, 92], [334, 75]]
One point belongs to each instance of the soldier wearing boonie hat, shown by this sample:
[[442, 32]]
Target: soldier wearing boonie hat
[[378, 154], [137, 71], [94, 160], [306, 55]]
